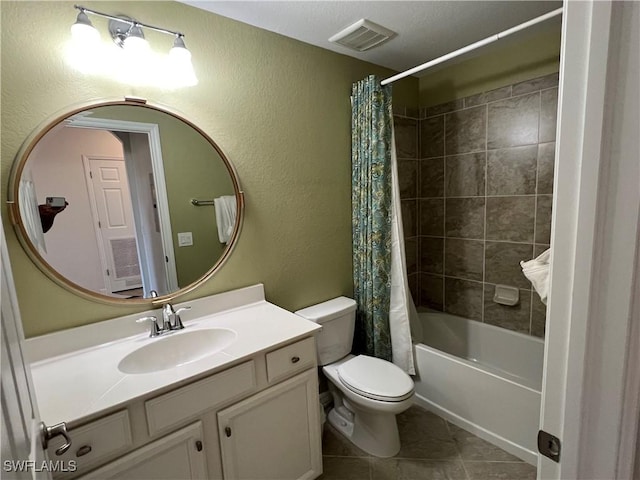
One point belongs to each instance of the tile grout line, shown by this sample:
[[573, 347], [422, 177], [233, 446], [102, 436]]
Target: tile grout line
[[512, 147], [484, 226], [515, 242], [530, 195], [535, 209], [345, 456], [517, 462], [444, 211], [416, 248], [464, 468], [458, 451], [453, 277]]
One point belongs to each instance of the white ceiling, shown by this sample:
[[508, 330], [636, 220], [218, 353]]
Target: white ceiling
[[426, 29]]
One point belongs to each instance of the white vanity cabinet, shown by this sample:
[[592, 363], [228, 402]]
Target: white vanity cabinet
[[210, 409], [258, 419], [274, 434]]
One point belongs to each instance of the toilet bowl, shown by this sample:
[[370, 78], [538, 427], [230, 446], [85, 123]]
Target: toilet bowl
[[367, 399], [367, 392]]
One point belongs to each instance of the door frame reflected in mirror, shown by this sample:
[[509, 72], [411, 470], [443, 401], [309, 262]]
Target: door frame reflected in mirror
[[161, 201]]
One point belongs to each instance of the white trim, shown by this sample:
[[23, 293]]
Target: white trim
[[630, 423], [580, 107], [132, 176], [94, 216], [153, 132], [612, 352], [594, 236], [163, 207], [19, 417]]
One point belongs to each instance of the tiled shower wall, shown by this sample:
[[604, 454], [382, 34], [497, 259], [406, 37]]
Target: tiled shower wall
[[476, 181]]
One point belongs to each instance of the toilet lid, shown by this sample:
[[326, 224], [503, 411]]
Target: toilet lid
[[376, 378]]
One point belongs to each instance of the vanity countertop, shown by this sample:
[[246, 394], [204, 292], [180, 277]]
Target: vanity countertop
[[75, 385]]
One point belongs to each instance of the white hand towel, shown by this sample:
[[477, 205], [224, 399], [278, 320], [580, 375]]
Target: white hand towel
[[225, 208], [537, 271]]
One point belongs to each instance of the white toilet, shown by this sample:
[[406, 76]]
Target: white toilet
[[367, 392]]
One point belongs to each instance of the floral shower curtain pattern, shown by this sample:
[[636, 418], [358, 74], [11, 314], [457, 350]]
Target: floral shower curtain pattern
[[371, 122]]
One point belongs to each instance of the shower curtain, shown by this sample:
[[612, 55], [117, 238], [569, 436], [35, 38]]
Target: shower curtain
[[379, 272]]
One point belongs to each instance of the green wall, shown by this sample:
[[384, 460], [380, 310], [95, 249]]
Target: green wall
[[525, 56], [278, 108], [192, 169]]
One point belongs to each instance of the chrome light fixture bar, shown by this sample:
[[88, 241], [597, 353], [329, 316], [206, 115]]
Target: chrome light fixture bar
[[133, 25], [128, 34]]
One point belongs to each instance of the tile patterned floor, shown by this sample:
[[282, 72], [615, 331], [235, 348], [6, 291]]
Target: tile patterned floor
[[432, 448]]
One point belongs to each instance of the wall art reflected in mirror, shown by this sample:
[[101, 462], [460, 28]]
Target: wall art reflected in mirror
[[125, 201]]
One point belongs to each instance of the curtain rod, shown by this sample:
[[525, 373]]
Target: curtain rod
[[473, 46]]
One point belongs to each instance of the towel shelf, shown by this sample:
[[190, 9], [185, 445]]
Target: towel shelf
[[200, 203]]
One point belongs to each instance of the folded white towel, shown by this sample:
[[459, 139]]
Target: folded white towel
[[225, 208], [537, 271]]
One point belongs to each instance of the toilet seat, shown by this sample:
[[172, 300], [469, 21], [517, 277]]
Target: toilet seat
[[376, 379]]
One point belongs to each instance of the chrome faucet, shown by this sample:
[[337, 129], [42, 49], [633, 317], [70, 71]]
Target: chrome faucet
[[171, 321], [171, 318]]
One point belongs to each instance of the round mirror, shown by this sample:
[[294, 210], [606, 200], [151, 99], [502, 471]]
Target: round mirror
[[125, 202]]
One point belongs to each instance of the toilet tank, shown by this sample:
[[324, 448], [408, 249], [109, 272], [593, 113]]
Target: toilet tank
[[338, 319]]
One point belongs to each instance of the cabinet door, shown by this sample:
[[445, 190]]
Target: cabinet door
[[177, 456], [275, 434]]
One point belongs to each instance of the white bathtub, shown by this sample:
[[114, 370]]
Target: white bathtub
[[482, 378]]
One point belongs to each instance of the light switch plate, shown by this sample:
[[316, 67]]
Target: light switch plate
[[185, 239]]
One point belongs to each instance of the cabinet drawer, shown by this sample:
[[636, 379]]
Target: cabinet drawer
[[94, 442], [290, 359], [173, 408]]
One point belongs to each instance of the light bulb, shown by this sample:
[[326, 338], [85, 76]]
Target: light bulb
[[180, 64], [135, 42], [83, 31], [179, 51]]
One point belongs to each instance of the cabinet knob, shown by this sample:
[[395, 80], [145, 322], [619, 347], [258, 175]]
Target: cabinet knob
[[227, 431], [83, 450], [199, 445], [295, 359]]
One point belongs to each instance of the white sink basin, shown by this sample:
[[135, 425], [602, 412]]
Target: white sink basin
[[177, 349]]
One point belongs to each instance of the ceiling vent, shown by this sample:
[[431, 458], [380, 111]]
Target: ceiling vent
[[362, 35]]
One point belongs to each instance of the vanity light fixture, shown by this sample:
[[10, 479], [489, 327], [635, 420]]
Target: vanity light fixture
[[127, 33]]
